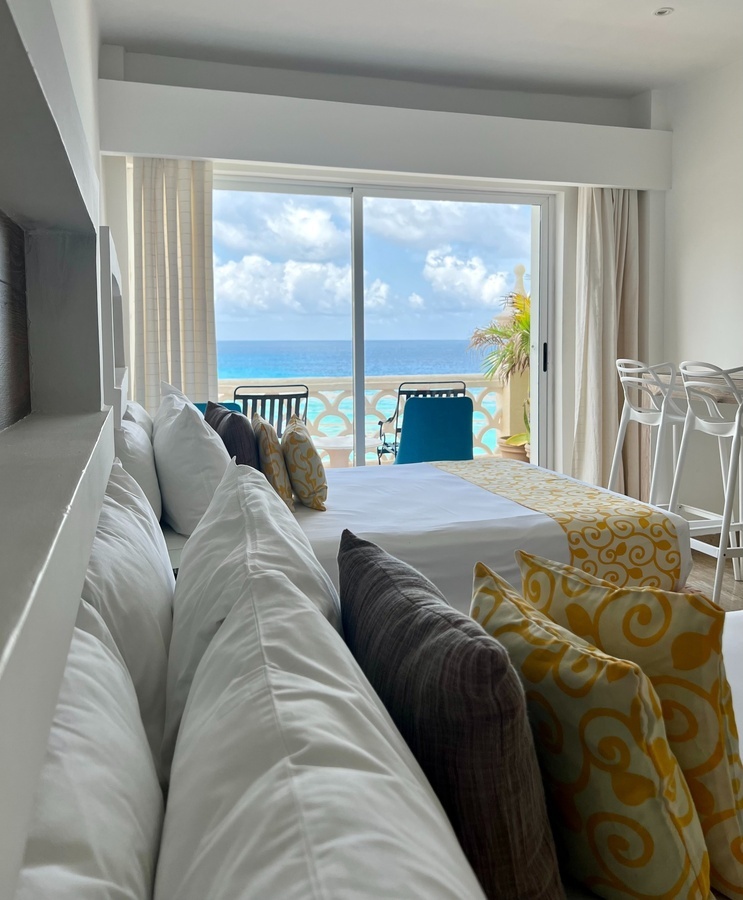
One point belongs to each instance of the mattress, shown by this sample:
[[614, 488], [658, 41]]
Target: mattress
[[442, 524]]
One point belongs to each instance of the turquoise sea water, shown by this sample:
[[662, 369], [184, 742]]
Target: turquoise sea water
[[254, 361]]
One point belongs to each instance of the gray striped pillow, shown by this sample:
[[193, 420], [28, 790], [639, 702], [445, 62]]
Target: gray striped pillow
[[236, 432], [459, 704]]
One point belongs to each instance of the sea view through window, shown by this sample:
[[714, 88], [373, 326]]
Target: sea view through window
[[434, 270]]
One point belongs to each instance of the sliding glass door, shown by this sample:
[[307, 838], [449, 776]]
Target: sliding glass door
[[353, 292], [282, 284], [438, 272]]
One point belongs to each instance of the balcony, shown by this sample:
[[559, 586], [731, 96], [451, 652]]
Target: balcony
[[498, 409]]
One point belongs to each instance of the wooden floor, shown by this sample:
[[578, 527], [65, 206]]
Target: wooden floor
[[703, 575]]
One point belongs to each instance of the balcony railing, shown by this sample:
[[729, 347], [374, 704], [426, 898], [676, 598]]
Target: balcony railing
[[330, 411]]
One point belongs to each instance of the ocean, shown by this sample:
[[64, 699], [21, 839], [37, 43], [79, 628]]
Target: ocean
[[255, 360]]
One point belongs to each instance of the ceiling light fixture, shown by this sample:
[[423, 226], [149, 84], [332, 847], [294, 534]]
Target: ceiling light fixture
[[663, 11]]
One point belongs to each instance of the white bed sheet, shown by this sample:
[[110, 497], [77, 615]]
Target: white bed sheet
[[439, 523], [435, 521]]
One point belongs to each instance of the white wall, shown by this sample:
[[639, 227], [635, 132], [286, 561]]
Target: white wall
[[39, 32], [77, 23], [161, 120], [704, 219], [151, 69], [703, 313], [114, 190]]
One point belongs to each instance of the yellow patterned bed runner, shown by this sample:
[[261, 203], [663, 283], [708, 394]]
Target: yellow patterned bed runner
[[612, 537]]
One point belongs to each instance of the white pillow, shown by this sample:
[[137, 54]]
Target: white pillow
[[134, 449], [190, 459], [135, 412], [289, 778], [130, 583], [247, 530], [169, 390], [91, 622], [98, 812]]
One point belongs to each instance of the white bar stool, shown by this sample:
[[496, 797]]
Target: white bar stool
[[648, 400], [715, 408]]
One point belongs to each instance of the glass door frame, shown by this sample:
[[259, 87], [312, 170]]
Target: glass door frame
[[542, 279], [542, 287]]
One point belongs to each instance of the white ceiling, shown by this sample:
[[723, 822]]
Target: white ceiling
[[598, 47]]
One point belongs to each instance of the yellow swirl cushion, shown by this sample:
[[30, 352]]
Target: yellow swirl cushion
[[676, 638], [621, 804], [303, 463], [272, 459]]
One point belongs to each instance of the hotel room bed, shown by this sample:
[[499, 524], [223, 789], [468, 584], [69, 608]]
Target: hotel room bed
[[439, 521], [440, 517], [413, 484]]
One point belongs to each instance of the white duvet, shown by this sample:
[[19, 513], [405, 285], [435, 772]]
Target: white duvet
[[439, 523]]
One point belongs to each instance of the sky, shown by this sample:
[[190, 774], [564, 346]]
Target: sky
[[433, 269]]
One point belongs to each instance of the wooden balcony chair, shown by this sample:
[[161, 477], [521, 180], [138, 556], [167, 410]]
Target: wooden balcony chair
[[276, 403], [389, 441]]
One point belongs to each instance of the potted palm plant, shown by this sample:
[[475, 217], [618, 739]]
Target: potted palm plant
[[507, 340], [520, 441]]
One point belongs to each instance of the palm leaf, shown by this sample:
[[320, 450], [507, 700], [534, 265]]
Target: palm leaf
[[509, 338]]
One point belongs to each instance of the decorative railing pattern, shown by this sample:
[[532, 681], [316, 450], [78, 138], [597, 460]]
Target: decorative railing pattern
[[330, 411]]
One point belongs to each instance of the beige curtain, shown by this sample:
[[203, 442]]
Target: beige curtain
[[173, 331], [607, 310]]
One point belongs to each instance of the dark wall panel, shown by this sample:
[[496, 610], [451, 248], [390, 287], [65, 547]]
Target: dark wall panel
[[15, 386]]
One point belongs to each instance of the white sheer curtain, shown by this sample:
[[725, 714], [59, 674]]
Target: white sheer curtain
[[607, 309], [173, 330]]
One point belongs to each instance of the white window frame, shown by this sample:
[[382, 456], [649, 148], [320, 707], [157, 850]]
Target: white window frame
[[542, 277]]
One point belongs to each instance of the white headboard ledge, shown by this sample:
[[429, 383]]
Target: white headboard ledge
[[53, 475]]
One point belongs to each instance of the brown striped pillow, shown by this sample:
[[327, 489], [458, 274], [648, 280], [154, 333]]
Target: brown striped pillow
[[459, 704]]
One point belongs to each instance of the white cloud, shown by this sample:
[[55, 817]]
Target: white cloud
[[376, 295], [294, 231], [467, 280], [502, 227], [309, 232], [281, 225], [254, 284], [281, 259], [233, 237]]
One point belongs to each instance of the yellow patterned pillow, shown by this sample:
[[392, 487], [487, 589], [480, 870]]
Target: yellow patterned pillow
[[272, 459], [676, 639], [306, 471], [622, 806]]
